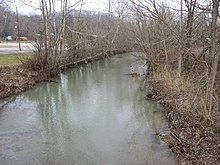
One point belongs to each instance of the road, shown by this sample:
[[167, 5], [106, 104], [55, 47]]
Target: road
[[7, 48]]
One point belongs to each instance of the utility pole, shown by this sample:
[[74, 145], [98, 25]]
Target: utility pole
[[18, 30]]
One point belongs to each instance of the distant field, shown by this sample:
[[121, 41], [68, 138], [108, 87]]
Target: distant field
[[11, 60], [8, 46]]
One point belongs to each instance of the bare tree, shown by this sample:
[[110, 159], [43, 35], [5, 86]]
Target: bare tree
[[191, 6], [214, 54], [45, 34]]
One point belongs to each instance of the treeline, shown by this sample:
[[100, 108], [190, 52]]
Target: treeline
[[183, 49], [184, 37], [29, 25], [181, 43]]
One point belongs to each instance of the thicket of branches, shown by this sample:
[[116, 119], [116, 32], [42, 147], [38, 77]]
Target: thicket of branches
[[184, 38]]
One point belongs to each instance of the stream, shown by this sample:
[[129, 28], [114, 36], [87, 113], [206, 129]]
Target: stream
[[95, 115]]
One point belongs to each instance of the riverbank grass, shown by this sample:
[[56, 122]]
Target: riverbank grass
[[192, 138]]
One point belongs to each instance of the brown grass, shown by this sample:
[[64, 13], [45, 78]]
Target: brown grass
[[194, 140]]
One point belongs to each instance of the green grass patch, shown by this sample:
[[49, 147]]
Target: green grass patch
[[8, 46], [11, 60]]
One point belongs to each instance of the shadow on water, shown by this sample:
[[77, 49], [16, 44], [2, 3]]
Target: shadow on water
[[96, 114]]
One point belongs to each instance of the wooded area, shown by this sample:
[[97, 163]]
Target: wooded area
[[181, 44]]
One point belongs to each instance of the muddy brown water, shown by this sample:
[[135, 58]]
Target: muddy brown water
[[95, 115]]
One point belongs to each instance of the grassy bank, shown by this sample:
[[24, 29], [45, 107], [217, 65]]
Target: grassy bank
[[193, 139], [13, 59]]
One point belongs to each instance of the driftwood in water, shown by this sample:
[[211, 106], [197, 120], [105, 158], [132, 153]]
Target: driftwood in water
[[134, 74]]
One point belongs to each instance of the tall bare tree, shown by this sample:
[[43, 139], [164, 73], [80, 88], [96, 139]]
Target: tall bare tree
[[45, 34], [214, 54], [191, 6]]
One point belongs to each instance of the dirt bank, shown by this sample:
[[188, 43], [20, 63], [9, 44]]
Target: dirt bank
[[192, 138], [16, 79]]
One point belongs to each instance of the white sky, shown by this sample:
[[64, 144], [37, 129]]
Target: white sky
[[32, 5], [93, 5]]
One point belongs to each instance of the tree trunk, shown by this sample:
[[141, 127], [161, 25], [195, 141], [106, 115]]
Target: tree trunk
[[181, 31], [45, 33], [189, 29], [214, 54]]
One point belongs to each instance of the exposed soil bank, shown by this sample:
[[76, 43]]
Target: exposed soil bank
[[20, 78], [192, 139]]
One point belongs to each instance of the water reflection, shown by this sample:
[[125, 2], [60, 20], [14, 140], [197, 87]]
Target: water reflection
[[96, 114]]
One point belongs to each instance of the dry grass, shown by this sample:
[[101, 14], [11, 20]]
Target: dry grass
[[194, 140], [170, 87]]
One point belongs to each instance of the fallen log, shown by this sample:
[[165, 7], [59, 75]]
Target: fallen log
[[49, 80]]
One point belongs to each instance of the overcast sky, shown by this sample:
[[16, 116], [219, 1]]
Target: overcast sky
[[30, 8], [93, 5]]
